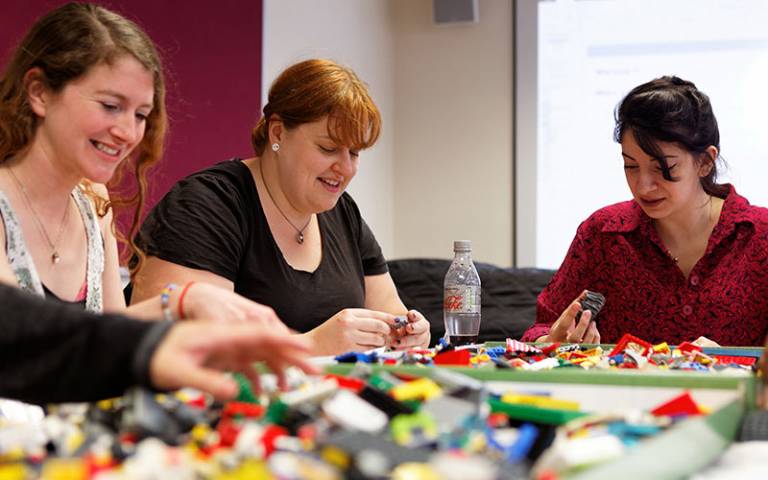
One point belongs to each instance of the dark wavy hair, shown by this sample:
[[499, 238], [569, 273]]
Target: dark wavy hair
[[670, 109]]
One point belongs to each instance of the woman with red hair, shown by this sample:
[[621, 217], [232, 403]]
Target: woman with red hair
[[280, 229]]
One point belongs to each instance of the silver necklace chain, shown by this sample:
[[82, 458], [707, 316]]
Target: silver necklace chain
[[299, 231], [55, 257], [710, 221]]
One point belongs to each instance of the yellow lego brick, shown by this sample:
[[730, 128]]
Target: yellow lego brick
[[336, 457], [703, 358], [421, 389], [74, 440], [410, 471], [14, 471], [108, 404], [14, 454], [64, 469], [580, 433], [538, 401], [200, 432], [593, 352], [595, 359], [249, 469]]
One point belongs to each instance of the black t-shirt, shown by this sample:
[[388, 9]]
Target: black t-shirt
[[213, 220]]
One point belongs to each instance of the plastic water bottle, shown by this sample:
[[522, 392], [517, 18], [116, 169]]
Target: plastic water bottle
[[461, 299]]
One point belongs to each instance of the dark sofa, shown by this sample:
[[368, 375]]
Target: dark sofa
[[508, 295]]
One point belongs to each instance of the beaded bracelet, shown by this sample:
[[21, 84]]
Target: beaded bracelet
[[181, 300], [165, 300]]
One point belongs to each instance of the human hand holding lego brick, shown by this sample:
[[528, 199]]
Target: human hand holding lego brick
[[574, 325], [414, 334], [196, 354], [352, 330]]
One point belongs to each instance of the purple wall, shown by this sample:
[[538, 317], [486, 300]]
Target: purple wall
[[212, 55]]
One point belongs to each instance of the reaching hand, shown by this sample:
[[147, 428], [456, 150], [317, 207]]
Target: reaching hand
[[414, 335], [210, 302], [352, 329], [567, 329], [196, 354]]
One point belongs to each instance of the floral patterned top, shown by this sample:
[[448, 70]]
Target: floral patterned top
[[23, 265], [618, 252]]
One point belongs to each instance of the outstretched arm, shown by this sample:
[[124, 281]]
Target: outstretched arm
[[54, 352]]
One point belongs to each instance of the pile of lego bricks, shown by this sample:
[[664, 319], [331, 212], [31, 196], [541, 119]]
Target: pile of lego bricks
[[365, 425], [630, 353]]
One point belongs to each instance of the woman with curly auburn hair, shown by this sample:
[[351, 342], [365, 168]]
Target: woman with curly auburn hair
[[82, 103]]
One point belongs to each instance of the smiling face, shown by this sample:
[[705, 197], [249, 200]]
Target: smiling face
[[660, 198], [96, 121], [313, 170]]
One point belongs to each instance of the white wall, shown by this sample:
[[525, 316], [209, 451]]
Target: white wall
[[442, 169], [357, 34], [453, 131]]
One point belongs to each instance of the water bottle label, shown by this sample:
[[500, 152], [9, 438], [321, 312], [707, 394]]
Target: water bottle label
[[462, 299]]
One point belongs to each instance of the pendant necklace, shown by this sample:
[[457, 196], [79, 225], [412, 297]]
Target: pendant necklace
[[299, 231], [55, 257]]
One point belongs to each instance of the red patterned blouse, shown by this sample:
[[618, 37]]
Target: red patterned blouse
[[618, 253]]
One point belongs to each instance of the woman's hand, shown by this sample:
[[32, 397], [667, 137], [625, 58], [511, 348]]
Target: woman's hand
[[210, 302], [352, 329], [196, 354], [414, 335], [567, 329]]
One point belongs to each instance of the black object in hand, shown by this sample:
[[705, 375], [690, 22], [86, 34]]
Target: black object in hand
[[593, 301]]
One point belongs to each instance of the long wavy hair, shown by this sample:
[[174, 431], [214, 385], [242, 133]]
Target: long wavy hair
[[64, 44]]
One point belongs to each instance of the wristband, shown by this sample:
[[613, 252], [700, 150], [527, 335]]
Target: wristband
[[182, 316], [165, 300]]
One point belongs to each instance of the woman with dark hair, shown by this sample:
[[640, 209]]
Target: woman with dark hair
[[82, 102], [280, 229], [686, 258]]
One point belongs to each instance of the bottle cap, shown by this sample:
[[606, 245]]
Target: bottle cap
[[462, 245]]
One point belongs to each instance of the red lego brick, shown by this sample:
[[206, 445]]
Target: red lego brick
[[681, 405], [631, 342], [348, 383], [688, 347], [453, 357]]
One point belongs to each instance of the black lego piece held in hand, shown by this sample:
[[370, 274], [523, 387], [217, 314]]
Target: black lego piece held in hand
[[592, 301]]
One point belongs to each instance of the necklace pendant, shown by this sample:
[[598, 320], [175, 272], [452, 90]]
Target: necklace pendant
[[299, 238], [55, 258]]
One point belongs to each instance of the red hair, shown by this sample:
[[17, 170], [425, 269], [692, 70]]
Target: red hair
[[313, 89]]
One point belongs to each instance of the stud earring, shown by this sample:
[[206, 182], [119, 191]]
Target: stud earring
[[275, 147]]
